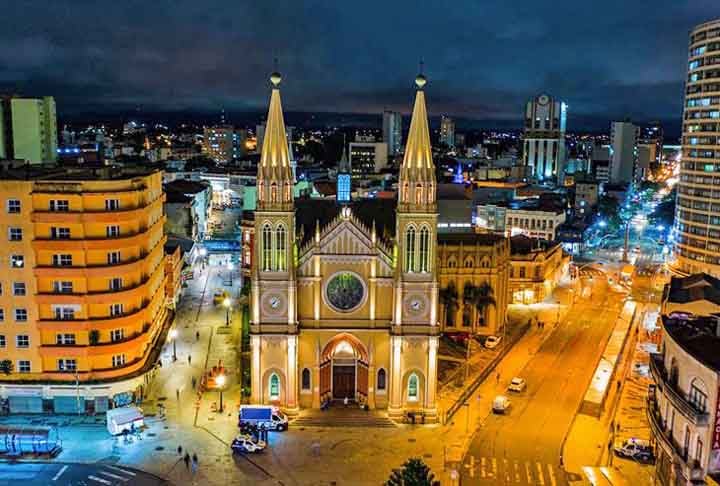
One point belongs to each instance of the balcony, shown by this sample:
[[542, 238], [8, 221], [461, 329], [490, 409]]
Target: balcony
[[139, 238], [103, 216], [677, 397]]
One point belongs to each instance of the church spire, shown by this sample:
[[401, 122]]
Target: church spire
[[275, 177], [344, 177], [417, 173]]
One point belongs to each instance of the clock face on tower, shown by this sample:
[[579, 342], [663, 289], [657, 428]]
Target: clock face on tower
[[274, 303], [415, 304]]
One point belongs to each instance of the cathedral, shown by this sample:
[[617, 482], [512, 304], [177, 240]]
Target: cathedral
[[344, 296]]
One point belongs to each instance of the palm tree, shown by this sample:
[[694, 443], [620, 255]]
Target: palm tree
[[483, 298], [448, 299]]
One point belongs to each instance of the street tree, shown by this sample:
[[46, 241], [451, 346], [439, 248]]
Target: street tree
[[6, 366], [413, 473]]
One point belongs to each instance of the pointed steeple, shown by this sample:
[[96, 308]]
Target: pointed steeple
[[344, 178], [417, 173], [275, 177], [344, 164]]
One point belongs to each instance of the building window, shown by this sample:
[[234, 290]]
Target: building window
[[424, 249], [274, 387], [2, 315], [62, 287], [3, 342], [62, 260], [21, 315], [412, 388], [113, 258], [60, 233], [468, 263], [267, 247], [280, 248], [15, 234], [112, 231], [381, 379], [64, 364], [59, 205], [115, 284], [697, 396], [522, 272], [22, 341], [117, 335], [116, 310], [112, 204], [17, 261], [305, 379], [65, 339], [19, 289], [13, 206], [118, 360], [698, 451], [410, 250], [64, 313], [23, 366]]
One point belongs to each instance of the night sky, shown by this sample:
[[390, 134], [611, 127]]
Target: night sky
[[606, 59]]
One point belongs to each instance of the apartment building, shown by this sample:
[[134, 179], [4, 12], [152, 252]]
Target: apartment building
[[82, 305]]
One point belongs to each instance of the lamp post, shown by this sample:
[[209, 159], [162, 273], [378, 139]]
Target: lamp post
[[230, 271], [226, 304], [220, 380], [173, 336]]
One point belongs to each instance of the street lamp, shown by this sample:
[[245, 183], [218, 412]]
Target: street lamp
[[226, 304], [230, 272], [220, 381], [173, 336]]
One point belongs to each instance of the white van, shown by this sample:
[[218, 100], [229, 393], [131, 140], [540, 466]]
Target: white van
[[263, 415], [501, 403]]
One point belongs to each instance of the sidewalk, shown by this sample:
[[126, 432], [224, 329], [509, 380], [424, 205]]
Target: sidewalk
[[587, 443]]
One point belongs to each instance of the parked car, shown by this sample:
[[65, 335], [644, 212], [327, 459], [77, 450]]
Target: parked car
[[245, 444], [458, 337], [219, 296], [637, 449], [501, 404], [517, 385], [492, 342]]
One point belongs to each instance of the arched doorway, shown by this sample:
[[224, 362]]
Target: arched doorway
[[344, 369]]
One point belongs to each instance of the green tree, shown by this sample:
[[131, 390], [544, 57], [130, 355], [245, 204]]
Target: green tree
[[6, 366], [413, 473]]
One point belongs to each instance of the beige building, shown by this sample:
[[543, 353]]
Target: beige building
[[28, 129], [351, 311], [473, 271], [536, 268]]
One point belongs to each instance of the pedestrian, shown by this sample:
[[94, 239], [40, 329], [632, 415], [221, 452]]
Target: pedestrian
[[177, 393], [189, 358], [187, 460], [561, 460], [345, 401], [197, 335], [497, 378], [194, 463], [618, 385], [179, 450], [194, 382]]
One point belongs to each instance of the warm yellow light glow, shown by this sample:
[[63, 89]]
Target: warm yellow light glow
[[220, 380], [173, 333], [226, 302]]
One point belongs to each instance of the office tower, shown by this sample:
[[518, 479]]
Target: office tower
[[697, 217], [544, 138], [623, 152], [447, 131], [652, 135], [392, 131], [28, 129], [224, 143], [83, 297]]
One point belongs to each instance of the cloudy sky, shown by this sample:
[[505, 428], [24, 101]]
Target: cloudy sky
[[484, 58]]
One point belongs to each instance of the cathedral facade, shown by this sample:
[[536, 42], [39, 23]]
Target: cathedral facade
[[344, 296]]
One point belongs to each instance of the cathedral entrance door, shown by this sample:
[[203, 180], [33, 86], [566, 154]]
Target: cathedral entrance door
[[343, 381]]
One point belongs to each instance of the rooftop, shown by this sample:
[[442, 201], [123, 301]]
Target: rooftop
[[697, 336], [470, 238], [699, 286], [524, 245], [73, 172]]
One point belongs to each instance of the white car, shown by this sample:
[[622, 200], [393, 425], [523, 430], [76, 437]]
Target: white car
[[246, 444], [517, 385], [492, 342], [501, 404]]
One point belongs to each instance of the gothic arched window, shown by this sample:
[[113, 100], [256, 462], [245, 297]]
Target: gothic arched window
[[410, 250], [274, 387], [405, 190], [418, 194], [412, 389], [267, 248], [280, 248], [305, 379], [273, 193], [381, 379], [424, 249], [261, 189]]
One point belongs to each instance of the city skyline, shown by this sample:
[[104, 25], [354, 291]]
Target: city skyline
[[336, 60]]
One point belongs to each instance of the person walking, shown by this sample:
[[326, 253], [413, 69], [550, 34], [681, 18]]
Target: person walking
[[194, 382], [177, 393], [497, 378], [194, 463], [197, 335], [187, 460], [189, 358], [179, 450]]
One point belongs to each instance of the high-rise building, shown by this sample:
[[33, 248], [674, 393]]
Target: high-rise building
[[368, 157], [623, 152], [652, 135], [83, 298], [224, 143], [28, 129], [544, 138], [447, 131], [392, 131], [697, 217]]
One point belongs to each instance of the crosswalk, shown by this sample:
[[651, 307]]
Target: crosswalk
[[106, 474], [499, 470]]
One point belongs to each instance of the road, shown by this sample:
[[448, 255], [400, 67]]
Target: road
[[523, 446], [61, 474]]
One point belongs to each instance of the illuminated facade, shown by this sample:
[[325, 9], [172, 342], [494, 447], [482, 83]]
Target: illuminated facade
[[351, 311], [84, 290], [697, 217], [544, 138], [28, 129]]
